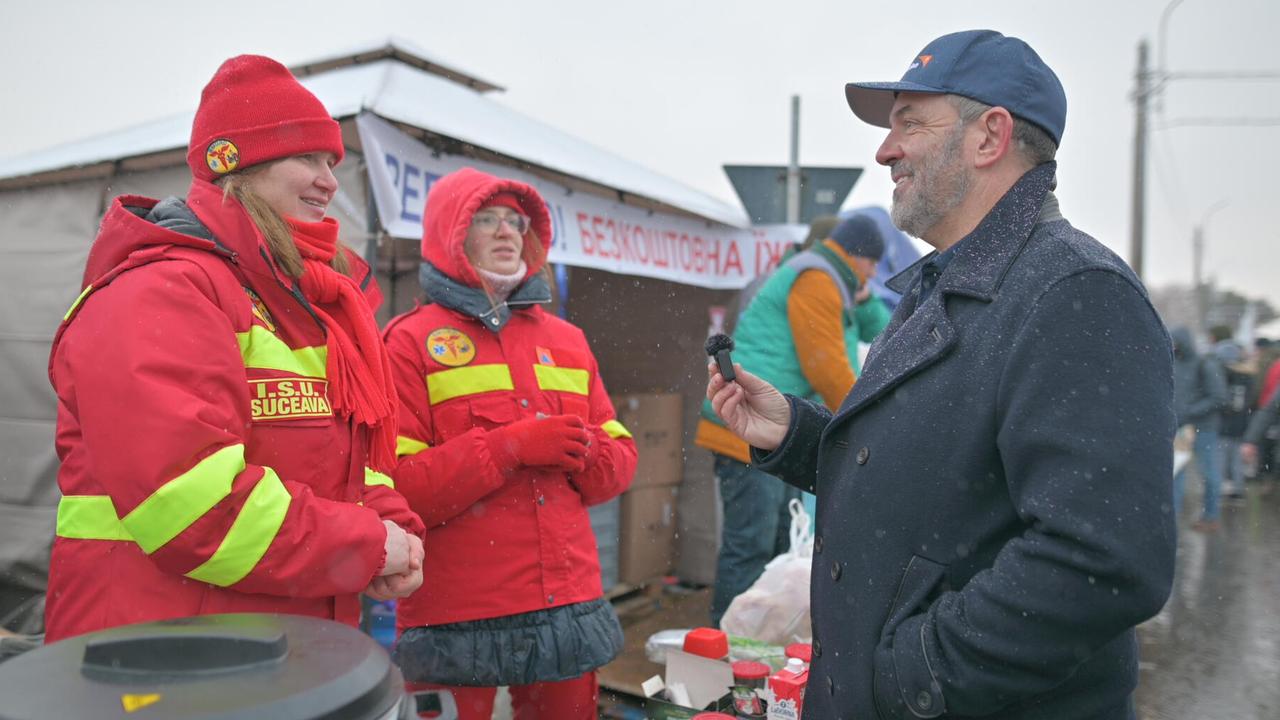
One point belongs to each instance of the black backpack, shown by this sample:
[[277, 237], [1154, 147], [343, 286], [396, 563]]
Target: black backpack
[[1240, 391]]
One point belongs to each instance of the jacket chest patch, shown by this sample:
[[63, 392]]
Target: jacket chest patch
[[450, 347], [260, 310], [289, 399]]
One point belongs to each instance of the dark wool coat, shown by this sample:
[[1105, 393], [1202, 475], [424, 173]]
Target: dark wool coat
[[994, 494]]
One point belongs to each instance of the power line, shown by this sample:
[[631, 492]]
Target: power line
[[1256, 122], [1223, 75], [1169, 177]]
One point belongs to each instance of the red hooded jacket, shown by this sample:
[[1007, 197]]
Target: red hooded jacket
[[496, 544], [203, 470]]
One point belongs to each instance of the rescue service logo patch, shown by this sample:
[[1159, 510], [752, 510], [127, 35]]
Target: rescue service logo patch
[[260, 310], [544, 356], [289, 399], [450, 347], [222, 156]]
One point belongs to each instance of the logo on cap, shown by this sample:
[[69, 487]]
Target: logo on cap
[[450, 347], [223, 156], [921, 61]]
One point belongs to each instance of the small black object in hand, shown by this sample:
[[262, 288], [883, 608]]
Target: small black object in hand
[[718, 347]]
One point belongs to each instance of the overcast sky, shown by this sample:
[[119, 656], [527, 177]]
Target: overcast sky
[[684, 86]]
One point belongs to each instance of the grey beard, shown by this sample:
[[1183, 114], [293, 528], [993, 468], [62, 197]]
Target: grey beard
[[941, 185]]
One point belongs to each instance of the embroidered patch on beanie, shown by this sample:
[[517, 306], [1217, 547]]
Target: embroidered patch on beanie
[[253, 111]]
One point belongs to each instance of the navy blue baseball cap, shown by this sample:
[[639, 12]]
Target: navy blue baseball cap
[[981, 65]]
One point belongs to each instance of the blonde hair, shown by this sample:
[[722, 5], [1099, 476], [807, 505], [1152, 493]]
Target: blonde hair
[[274, 229]]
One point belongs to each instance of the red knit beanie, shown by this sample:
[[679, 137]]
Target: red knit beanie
[[252, 111]]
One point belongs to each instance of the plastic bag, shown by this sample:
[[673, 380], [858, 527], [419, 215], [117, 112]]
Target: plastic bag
[[656, 647], [740, 648], [1183, 445], [744, 648], [776, 608]]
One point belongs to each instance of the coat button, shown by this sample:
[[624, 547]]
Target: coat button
[[817, 544], [817, 648], [924, 700], [551, 599], [542, 500], [863, 455], [836, 571], [831, 685], [524, 402]]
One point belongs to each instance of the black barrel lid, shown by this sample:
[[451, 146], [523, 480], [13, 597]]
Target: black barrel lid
[[213, 667]]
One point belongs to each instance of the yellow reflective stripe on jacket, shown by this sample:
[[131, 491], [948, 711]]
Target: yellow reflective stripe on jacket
[[572, 380], [409, 446], [262, 350], [468, 380], [253, 531], [89, 517], [183, 500], [615, 429], [75, 305], [373, 477]]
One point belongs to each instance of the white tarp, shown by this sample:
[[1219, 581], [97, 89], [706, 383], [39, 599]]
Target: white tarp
[[412, 96], [589, 231]]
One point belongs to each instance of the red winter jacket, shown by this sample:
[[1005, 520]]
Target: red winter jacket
[[496, 544], [203, 470]]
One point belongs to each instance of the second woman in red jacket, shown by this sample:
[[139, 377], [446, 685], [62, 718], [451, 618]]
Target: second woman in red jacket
[[506, 437]]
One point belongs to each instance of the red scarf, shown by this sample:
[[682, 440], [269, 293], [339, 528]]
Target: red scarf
[[360, 383]]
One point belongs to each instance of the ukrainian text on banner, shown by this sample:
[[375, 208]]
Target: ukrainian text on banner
[[588, 231]]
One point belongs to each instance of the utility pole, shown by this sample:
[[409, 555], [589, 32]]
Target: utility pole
[[1141, 98], [1202, 295], [793, 168], [1197, 277]]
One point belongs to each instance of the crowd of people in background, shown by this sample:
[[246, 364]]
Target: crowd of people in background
[[1225, 396]]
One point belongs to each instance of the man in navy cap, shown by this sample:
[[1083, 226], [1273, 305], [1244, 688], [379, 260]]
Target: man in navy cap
[[994, 495]]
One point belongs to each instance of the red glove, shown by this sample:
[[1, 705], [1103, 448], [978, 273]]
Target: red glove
[[558, 441], [597, 437]]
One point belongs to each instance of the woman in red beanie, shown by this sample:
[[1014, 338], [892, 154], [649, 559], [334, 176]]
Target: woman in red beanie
[[506, 436], [226, 417]]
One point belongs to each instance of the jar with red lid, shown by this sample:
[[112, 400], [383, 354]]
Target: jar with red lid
[[707, 642], [749, 680], [802, 651]]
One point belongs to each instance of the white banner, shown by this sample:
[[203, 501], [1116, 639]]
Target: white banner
[[588, 231]]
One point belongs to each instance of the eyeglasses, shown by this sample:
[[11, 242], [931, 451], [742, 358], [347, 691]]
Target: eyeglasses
[[489, 222]]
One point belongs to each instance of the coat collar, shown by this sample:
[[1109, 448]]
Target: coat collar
[[983, 256], [917, 337], [473, 302]]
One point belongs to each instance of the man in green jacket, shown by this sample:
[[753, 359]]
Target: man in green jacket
[[800, 331]]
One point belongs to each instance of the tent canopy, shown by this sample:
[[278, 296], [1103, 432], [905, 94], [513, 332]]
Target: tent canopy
[[402, 84]]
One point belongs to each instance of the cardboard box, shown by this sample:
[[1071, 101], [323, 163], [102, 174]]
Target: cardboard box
[[698, 521], [648, 533], [705, 681], [656, 423], [605, 526]]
